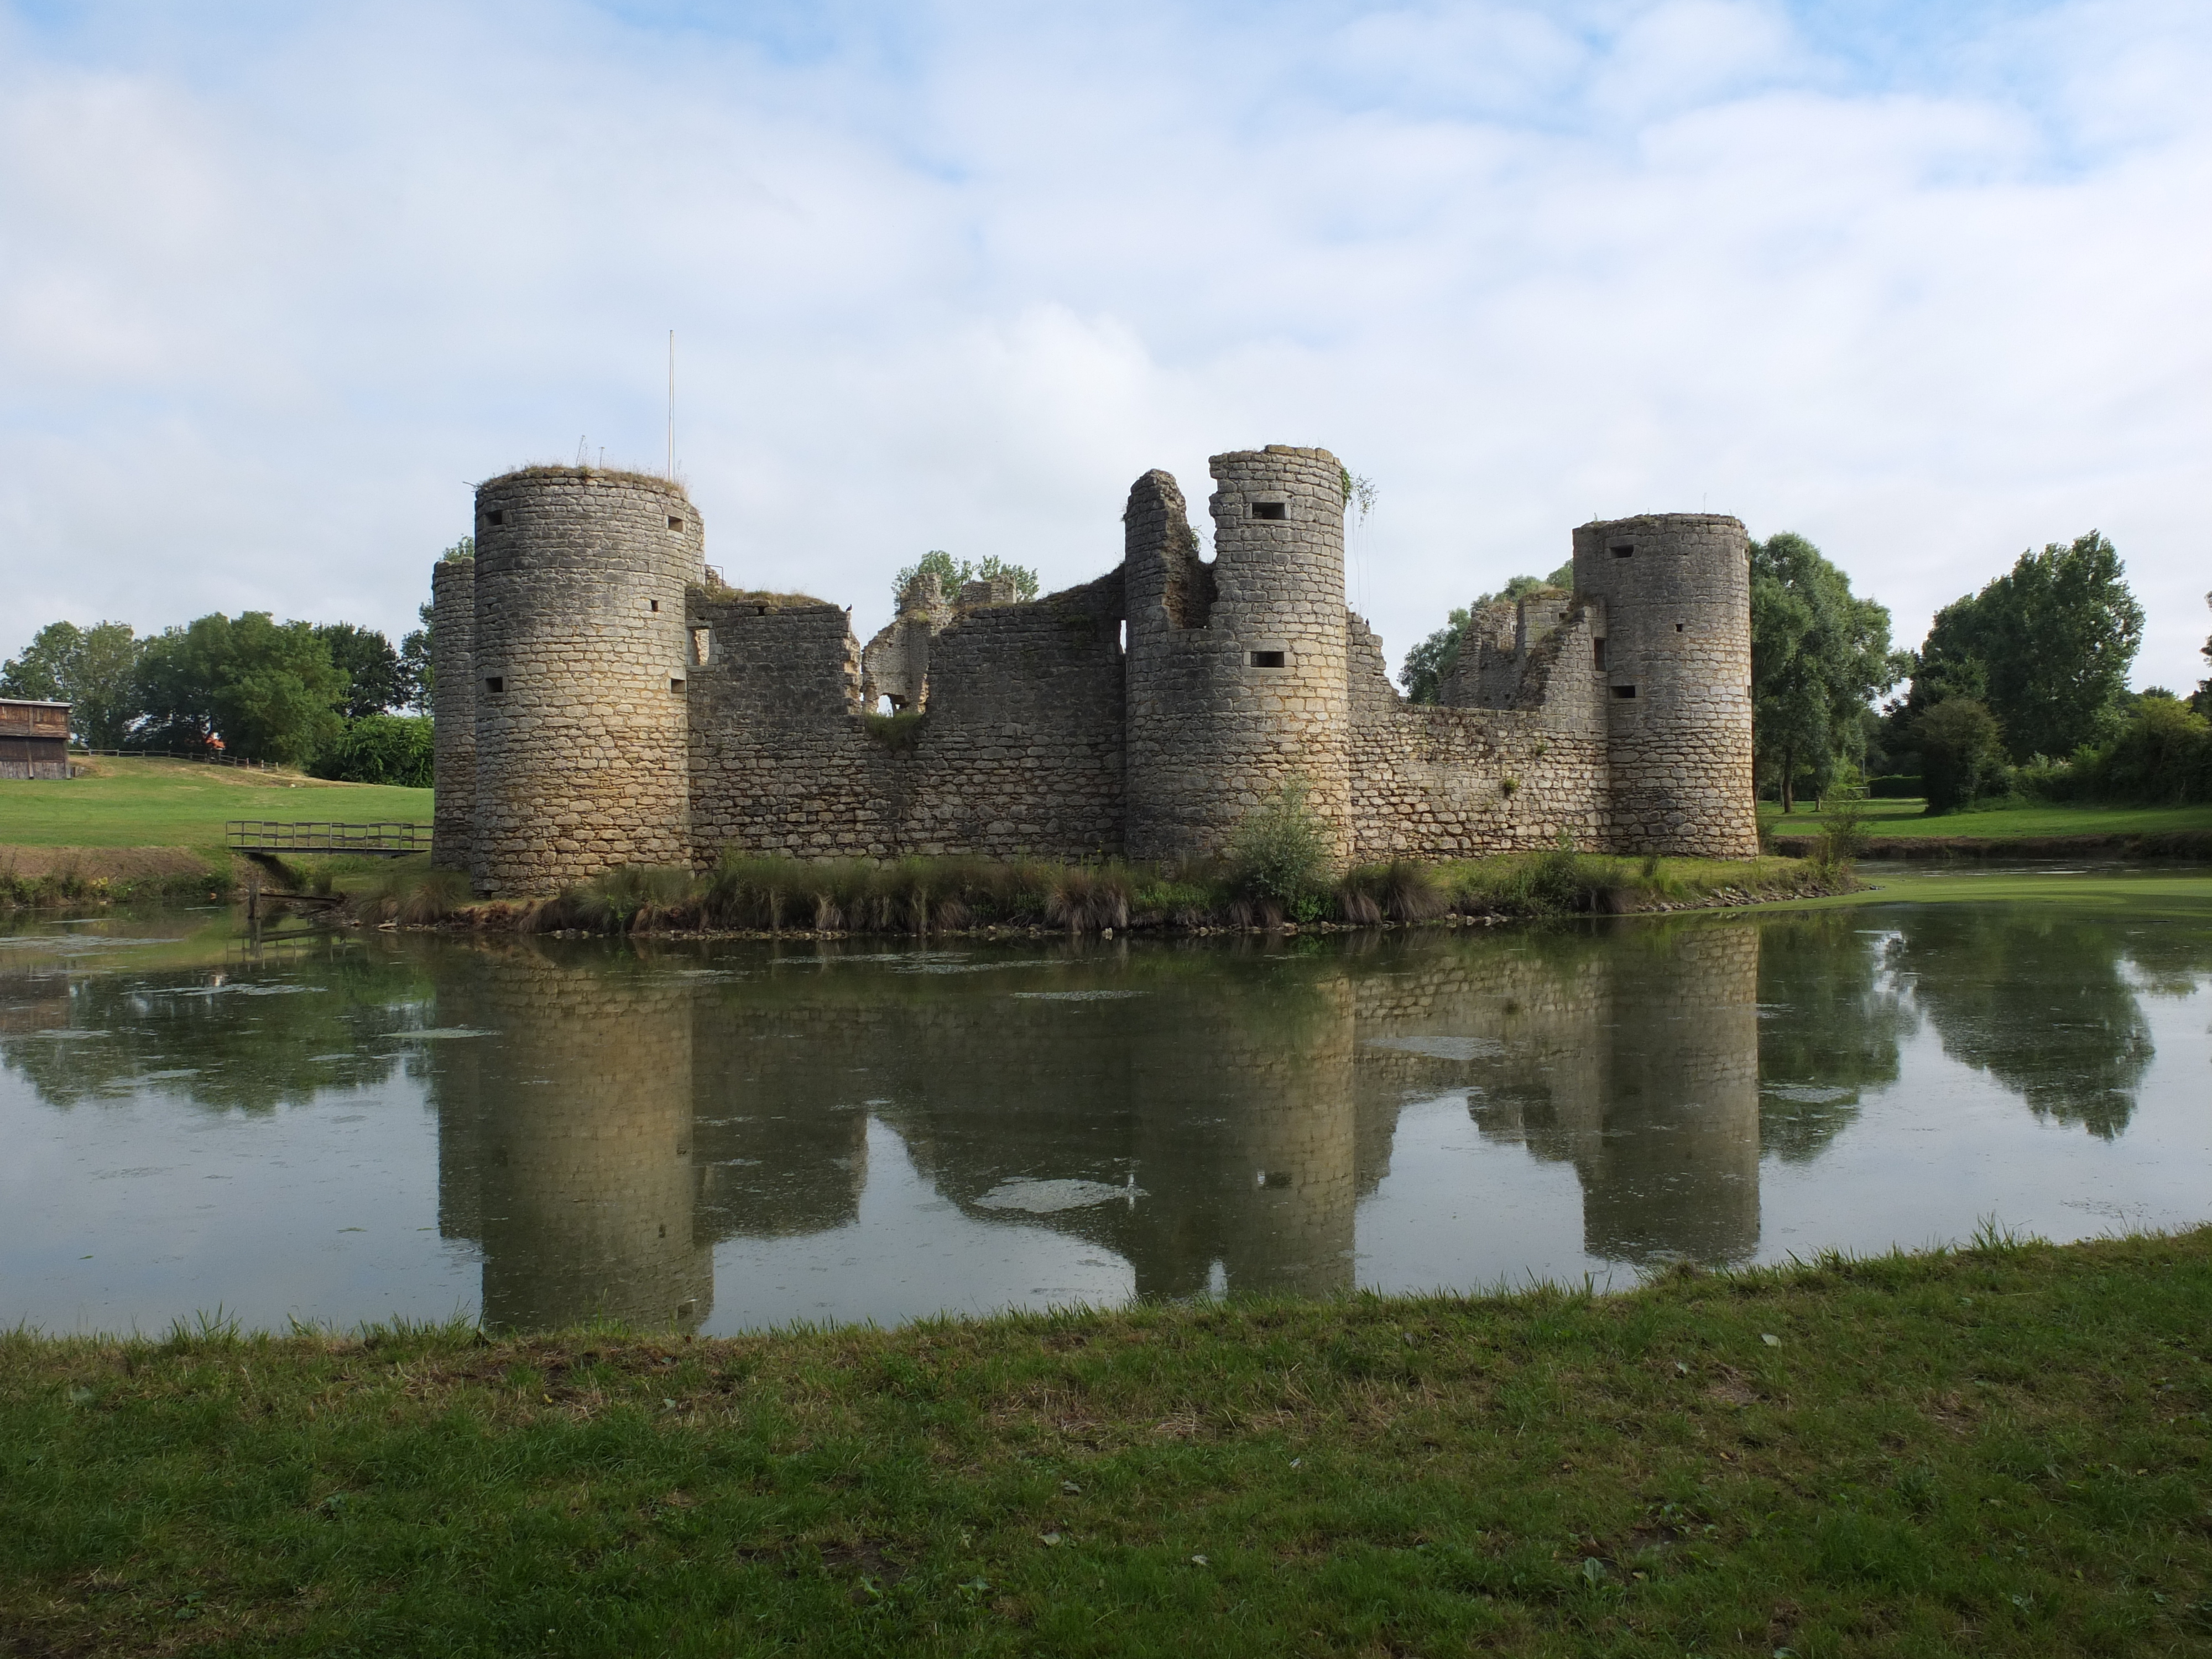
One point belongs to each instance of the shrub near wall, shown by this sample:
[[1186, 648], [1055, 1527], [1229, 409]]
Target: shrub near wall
[[2162, 756], [393, 749]]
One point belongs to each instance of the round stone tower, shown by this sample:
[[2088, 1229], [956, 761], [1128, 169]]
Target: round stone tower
[[1676, 660], [579, 676], [1236, 679], [453, 703]]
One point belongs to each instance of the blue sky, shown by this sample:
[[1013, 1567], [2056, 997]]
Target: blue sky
[[1927, 283]]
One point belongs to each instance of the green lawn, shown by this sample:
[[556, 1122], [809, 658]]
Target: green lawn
[[2000, 1451], [1903, 819], [170, 803], [2143, 890]]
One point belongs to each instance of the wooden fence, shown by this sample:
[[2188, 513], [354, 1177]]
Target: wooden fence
[[389, 841]]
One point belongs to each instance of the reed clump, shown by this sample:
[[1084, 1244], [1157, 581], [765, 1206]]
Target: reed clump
[[918, 895], [413, 897]]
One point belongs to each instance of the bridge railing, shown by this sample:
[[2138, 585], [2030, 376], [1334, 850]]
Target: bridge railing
[[389, 840]]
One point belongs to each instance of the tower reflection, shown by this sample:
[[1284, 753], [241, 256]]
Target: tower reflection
[[566, 1145], [1212, 1117], [1632, 1055]]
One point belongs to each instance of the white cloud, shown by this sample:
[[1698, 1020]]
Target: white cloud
[[271, 288]]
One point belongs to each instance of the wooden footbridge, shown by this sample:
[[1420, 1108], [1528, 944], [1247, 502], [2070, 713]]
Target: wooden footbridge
[[376, 841]]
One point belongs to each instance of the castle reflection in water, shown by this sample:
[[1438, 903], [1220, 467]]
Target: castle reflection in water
[[634, 1110]]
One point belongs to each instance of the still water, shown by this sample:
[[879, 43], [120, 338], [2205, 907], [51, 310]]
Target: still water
[[729, 1135]]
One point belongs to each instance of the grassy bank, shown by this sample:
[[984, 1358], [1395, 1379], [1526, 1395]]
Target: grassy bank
[[917, 896], [1899, 829], [2142, 890], [176, 802], [1997, 1451], [55, 877]]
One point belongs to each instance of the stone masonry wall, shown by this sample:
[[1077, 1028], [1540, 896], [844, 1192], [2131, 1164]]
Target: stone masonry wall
[[1676, 588], [454, 710], [580, 668], [1019, 752], [1168, 595], [779, 759], [1433, 782]]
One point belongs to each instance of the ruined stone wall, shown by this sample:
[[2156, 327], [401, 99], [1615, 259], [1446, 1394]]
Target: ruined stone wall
[[1436, 782], [1248, 689], [780, 760], [1169, 591], [1019, 752], [1677, 593], [580, 662], [1021, 748], [453, 711], [895, 664]]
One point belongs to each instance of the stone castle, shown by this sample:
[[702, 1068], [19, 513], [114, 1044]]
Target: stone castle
[[603, 698]]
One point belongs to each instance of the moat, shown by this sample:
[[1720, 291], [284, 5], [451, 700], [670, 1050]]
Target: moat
[[722, 1136]]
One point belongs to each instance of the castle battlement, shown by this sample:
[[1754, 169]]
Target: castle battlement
[[601, 701]]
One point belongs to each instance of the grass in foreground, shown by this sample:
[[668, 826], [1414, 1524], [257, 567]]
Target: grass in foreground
[[1997, 1451], [1889, 820], [175, 803]]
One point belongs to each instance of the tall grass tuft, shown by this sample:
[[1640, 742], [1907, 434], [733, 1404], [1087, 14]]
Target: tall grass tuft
[[1401, 890], [1089, 898], [417, 897], [623, 900]]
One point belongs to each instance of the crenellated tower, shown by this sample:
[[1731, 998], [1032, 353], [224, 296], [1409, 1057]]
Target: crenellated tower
[[1676, 662], [579, 676], [1237, 671], [454, 710]]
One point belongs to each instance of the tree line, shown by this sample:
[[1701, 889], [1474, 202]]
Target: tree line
[[2019, 689], [338, 699]]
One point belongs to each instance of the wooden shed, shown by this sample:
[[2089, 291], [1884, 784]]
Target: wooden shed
[[33, 738]]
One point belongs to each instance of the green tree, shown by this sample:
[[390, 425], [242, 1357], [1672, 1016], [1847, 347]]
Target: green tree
[[418, 666], [2047, 646], [376, 681], [1280, 849], [1962, 753], [2162, 755], [1427, 663], [1819, 658], [264, 689], [952, 573], [93, 668], [380, 748], [2201, 702]]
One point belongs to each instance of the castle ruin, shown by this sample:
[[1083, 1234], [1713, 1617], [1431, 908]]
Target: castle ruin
[[604, 699]]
